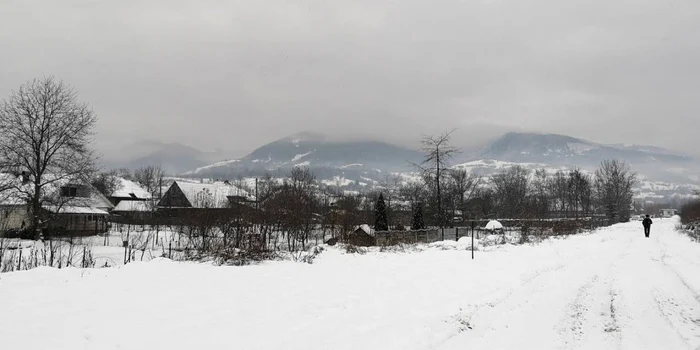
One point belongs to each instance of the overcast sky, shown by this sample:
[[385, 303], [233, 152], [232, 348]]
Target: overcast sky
[[237, 74]]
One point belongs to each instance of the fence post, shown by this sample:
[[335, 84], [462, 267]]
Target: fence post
[[456, 233], [19, 265], [84, 251], [472, 240], [170, 250]]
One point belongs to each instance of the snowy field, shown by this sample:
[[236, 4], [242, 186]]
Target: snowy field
[[612, 289]]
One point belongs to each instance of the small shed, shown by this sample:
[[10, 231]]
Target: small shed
[[667, 213], [363, 236]]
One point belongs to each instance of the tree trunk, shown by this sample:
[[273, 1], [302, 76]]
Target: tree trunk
[[36, 209]]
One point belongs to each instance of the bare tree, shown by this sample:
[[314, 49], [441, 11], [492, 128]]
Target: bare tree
[[106, 182], [580, 192], [151, 178], [510, 188], [46, 130], [613, 189], [540, 200], [438, 153], [464, 187], [558, 186]]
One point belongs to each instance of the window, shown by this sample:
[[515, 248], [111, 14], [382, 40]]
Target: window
[[69, 191]]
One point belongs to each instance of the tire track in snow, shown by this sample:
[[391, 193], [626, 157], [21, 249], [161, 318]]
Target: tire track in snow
[[684, 320], [685, 283], [463, 319], [680, 310], [592, 312], [578, 275], [571, 329]]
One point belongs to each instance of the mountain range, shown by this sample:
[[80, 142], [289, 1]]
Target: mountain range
[[361, 163], [566, 150]]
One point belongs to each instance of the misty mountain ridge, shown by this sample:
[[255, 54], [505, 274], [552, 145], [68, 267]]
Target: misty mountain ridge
[[365, 163], [314, 151], [566, 150], [173, 157]]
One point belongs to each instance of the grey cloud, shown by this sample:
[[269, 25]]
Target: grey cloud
[[236, 74]]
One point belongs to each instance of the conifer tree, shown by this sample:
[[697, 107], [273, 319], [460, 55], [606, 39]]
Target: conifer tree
[[381, 222], [418, 223]]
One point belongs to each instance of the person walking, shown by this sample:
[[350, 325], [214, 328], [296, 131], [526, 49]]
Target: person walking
[[647, 225]]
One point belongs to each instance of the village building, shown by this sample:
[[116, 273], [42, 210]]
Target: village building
[[667, 213], [187, 201], [363, 236], [127, 190], [71, 207], [132, 203]]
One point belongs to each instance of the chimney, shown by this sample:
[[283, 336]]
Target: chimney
[[25, 177]]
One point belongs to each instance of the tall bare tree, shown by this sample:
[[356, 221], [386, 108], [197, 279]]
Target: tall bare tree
[[438, 153], [464, 187], [580, 192], [613, 189], [510, 188], [151, 178], [106, 182], [45, 131], [540, 200]]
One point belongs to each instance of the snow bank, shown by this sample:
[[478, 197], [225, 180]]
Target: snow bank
[[677, 222], [464, 243], [598, 291], [493, 225]]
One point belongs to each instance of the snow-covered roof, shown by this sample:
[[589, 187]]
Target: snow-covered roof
[[130, 189], [127, 205], [493, 225], [70, 209], [211, 195], [18, 193], [366, 229]]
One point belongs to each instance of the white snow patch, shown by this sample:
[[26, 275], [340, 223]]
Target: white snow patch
[[350, 166], [222, 163], [580, 148], [300, 156], [493, 225], [337, 181]]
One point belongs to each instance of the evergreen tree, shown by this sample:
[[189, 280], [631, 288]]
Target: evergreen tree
[[381, 222], [418, 223]]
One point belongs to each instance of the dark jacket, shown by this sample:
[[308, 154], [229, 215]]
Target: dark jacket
[[646, 222]]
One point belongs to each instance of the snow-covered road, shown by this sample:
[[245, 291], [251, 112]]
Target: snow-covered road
[[613, 289], [619, 291]]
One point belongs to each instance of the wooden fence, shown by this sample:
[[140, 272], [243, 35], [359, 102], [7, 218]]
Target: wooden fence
[[385, 238], [550, 227]]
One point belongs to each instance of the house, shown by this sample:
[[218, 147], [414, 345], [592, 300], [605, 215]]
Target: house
[[135, 212], [127, 190], [182, 194], [667, 213], [132, 202], [70, 206], [187, 202], [363, 236]]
